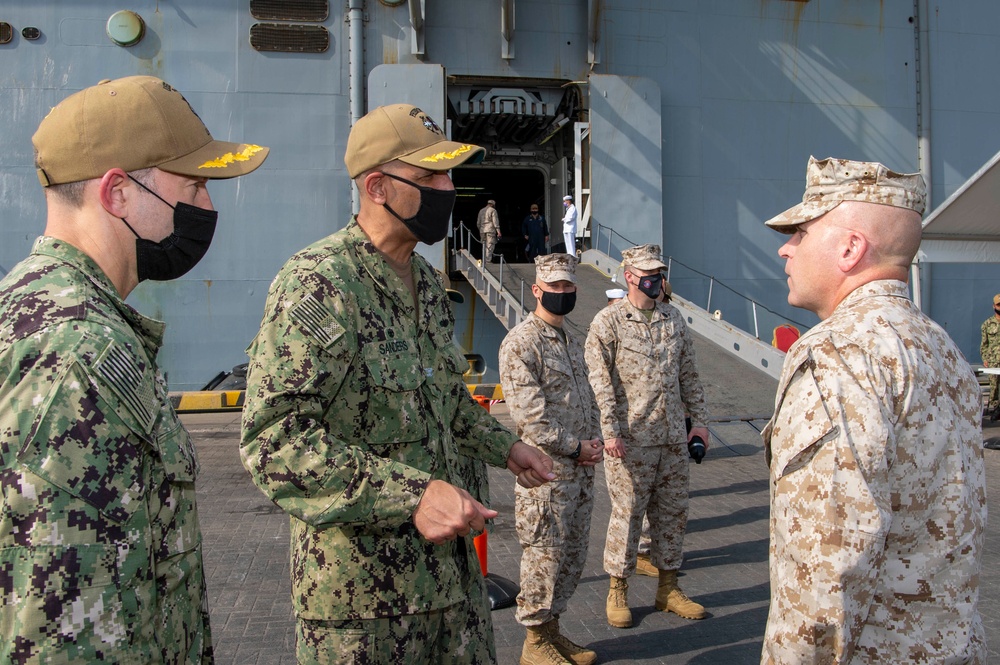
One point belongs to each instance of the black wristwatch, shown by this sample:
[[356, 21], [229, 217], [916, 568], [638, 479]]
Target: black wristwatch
[[576, 453]]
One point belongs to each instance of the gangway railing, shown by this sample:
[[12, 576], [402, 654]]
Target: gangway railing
[[504, 292], [507, 307], [739, 310]]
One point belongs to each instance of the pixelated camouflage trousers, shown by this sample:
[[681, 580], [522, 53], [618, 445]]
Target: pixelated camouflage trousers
[[994, 400], [644, 537], [489, 242], [649, 481], [553, 526], [460, 634]]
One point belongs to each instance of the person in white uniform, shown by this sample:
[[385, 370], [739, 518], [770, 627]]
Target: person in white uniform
[[569, 224]]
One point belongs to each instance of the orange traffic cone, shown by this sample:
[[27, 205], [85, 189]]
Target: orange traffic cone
[[480, 543]]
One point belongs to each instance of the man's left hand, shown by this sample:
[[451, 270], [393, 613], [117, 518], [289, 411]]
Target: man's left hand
[[531, 466]]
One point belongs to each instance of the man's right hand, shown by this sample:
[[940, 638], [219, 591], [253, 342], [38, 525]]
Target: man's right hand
[[591, 452], [614, 447], [446, 512]]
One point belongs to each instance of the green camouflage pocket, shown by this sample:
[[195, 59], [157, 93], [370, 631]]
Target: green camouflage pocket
[[62, 604], [395, 409]]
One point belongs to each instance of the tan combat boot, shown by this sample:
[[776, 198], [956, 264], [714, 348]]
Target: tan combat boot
[[670, 598], [570, 651], [643, 566], [619, 615], [539, 650]]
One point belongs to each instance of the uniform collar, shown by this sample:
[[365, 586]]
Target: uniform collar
[[633, 313], [430, 293], [547, 329], [879, 288], [150, 329]]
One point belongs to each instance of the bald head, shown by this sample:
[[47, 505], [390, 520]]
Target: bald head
[[854, 243], [893, 233]]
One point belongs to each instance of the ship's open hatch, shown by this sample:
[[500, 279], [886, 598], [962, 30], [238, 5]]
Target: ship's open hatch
[[535, 153], [513, 189]]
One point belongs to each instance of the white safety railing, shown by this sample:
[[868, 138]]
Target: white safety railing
[[737, 309]]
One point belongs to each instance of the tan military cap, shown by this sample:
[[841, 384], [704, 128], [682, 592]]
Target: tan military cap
[[555, 267], [996, 299], [643, 257], [406, 133], [133, 123], [831, 181]]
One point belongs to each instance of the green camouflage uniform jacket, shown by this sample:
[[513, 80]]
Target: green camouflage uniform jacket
[[100, 550], [355, 401], [989, 346], [878, 491]]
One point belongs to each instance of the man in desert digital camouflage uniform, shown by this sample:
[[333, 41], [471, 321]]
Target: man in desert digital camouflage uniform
[[544, 379], [878, 503], [100, 549], [357, 419], [488, 222], [645, 378]]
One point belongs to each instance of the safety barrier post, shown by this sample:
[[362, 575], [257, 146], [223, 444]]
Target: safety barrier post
[[481, 541]]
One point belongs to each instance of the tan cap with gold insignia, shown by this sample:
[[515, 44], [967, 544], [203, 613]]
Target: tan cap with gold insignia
[[133, 123], [406, 133]]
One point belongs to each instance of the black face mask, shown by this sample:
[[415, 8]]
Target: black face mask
[[651, 285], [996, 311], [430, 224], [559, 304], [176, 254]]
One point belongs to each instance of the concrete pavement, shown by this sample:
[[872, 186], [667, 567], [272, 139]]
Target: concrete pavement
[[246, 556]]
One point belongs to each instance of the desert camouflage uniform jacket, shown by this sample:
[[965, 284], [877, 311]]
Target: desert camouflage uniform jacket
[[878, 499], [545, 386], [100, 550], [355, 401], [488, 220], [644, 374]]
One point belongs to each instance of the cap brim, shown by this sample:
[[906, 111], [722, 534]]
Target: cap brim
[[804, 212], [444, 155], [217, 160], [559, 276], [648, 265]]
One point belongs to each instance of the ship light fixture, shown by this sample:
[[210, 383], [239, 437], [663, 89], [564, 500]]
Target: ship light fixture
[[126, 28]]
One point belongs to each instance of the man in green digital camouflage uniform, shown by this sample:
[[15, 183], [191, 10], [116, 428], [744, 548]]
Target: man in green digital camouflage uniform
[[357, 415], [989, 351], [100, 550]]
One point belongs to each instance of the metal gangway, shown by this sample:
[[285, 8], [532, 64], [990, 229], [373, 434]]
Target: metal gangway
[[506, 289]]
